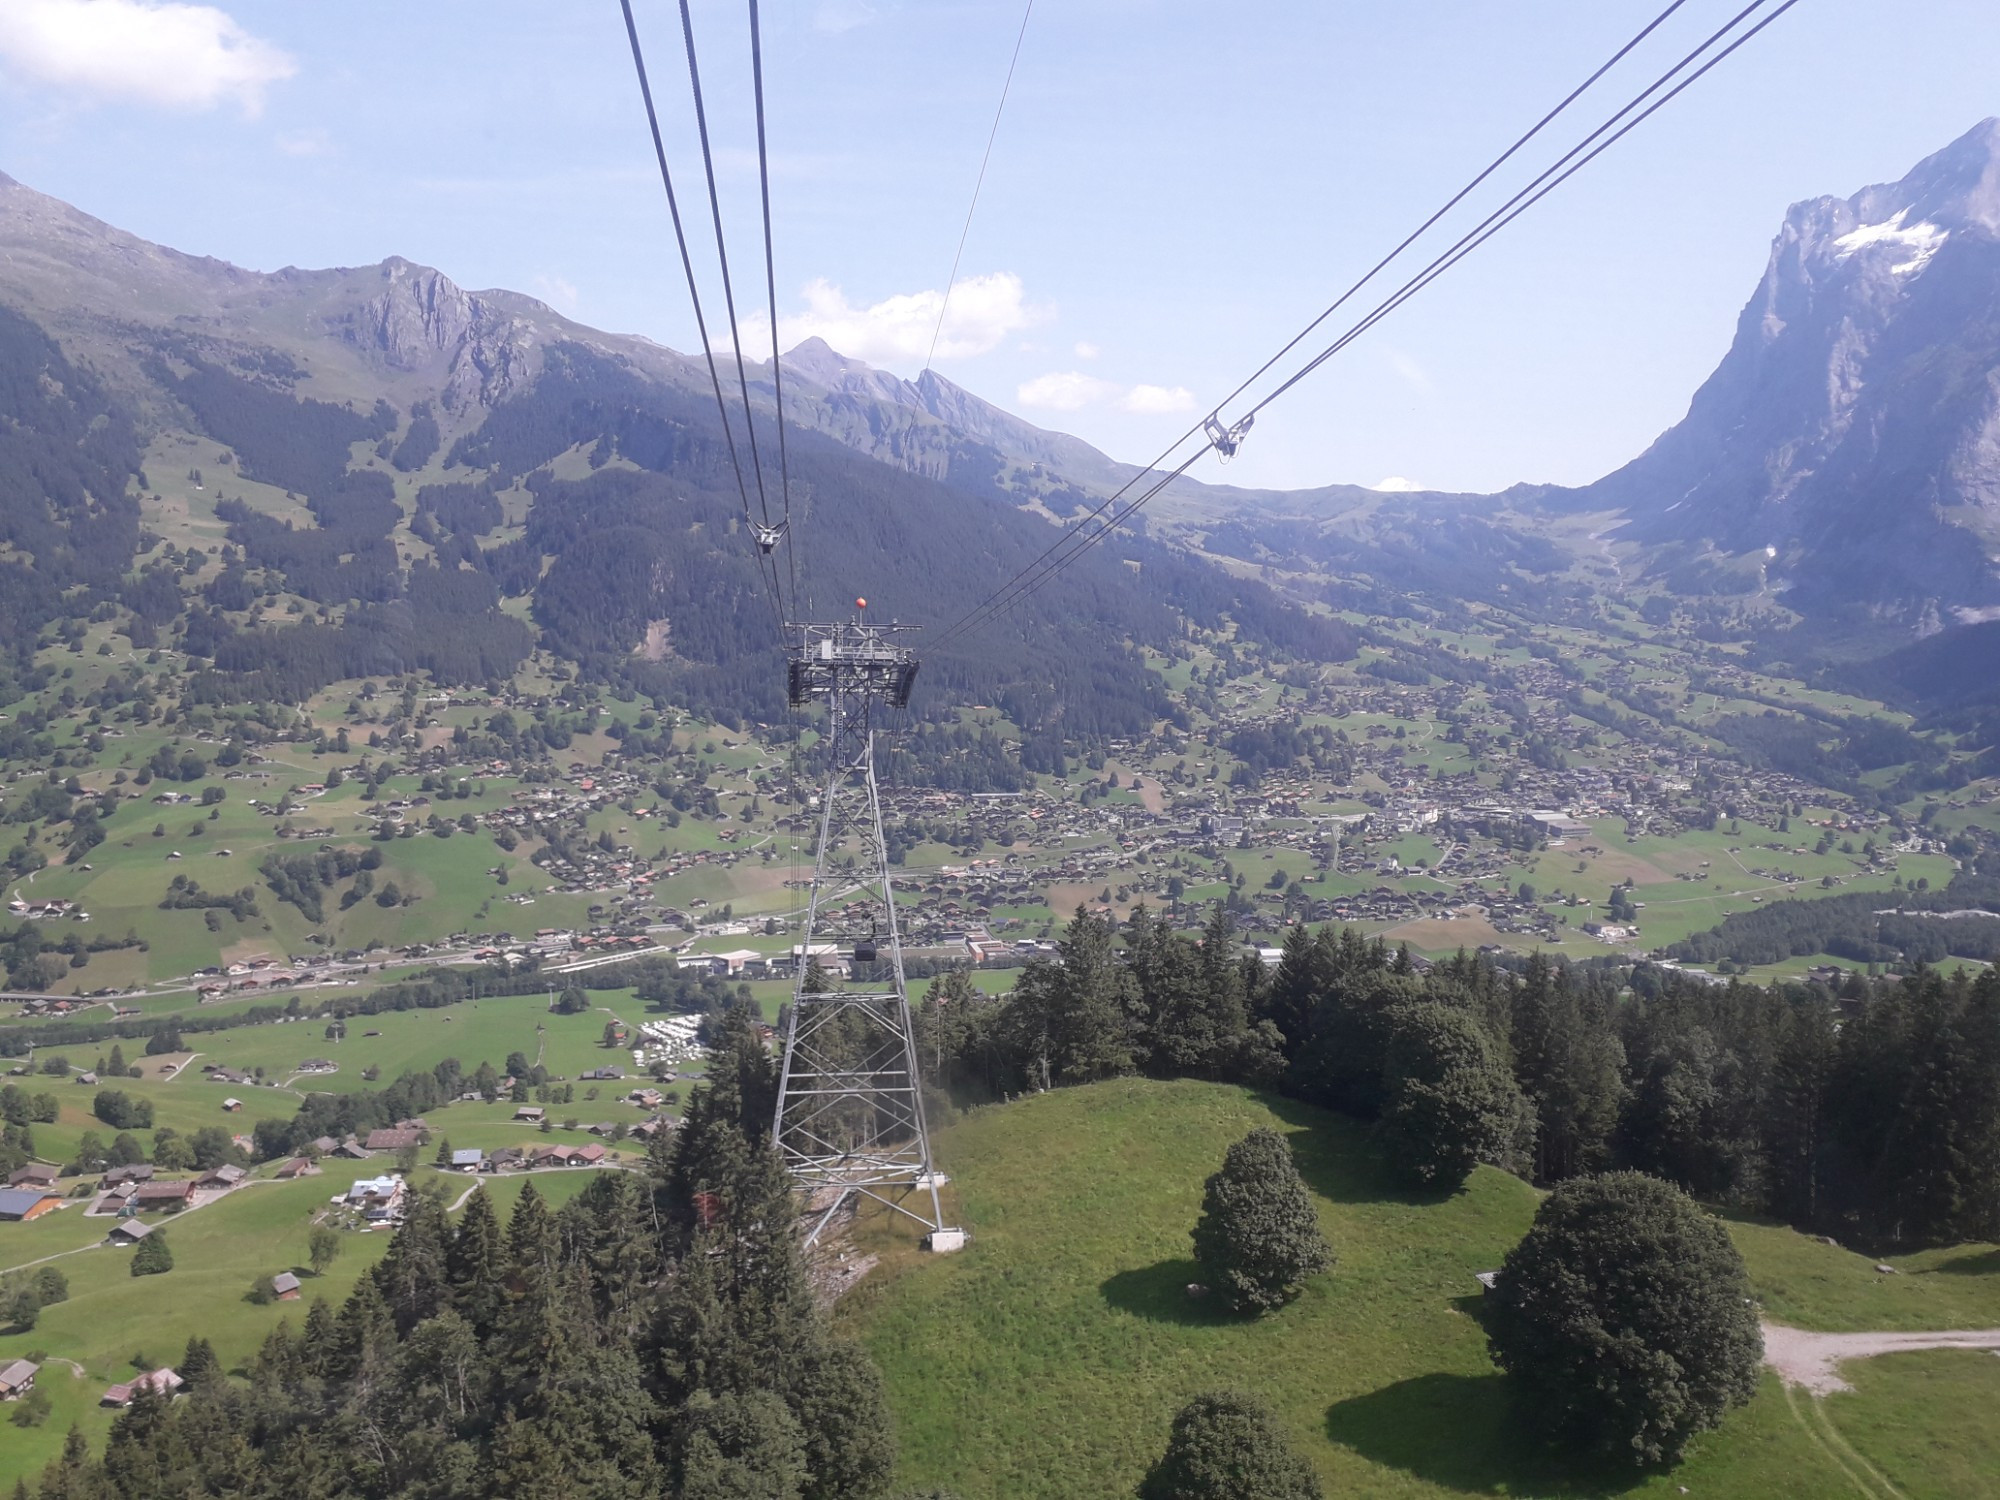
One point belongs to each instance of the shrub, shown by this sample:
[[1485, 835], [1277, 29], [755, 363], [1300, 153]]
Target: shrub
[[1258, 1237], [1625, 1318], [1449, 1098], [1228, 1446], [150, 1257]]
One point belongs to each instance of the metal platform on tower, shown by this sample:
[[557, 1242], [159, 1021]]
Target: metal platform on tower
[[850, 1115]]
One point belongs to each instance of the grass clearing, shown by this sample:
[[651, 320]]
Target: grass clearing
[[1049, 1357]]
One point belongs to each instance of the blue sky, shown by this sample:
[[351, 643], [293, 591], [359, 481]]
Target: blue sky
[[1176, 186]]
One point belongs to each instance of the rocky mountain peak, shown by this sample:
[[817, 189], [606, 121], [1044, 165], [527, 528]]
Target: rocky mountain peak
[[420, 314], [1850, 438]]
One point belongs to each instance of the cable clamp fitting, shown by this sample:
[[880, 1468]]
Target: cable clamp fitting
[[1226, 440], [768, 537]]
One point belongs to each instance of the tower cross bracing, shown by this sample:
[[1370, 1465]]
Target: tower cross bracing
[[850, 1115]]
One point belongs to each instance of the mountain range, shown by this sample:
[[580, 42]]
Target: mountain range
[[380, 430]]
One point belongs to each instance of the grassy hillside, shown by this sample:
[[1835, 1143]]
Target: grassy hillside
[[1048, 1359]]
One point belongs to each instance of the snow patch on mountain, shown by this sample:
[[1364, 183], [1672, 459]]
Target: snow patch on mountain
[[1921, 241]]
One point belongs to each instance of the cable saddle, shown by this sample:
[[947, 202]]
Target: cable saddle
[[769, 536], [1226, 440]]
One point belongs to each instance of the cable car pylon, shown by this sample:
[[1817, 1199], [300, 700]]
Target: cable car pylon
[[850, 1115]]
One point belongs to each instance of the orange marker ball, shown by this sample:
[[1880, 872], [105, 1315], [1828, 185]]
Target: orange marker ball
[[860, 603]]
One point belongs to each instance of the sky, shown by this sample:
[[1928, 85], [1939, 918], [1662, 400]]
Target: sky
[[1175, 189]]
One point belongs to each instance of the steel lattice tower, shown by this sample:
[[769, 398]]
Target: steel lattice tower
[[850, 1114]]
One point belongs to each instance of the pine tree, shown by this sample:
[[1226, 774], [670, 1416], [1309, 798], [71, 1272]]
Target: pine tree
[[1228, 1445], [741, 1447], [1294, 990], [413, 1275], [1071, 1016], [1571, 1067], [1258, 1238], [199, 1366]]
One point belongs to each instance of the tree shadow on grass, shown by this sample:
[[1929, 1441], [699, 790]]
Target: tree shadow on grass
[[1465, 1433], [1340, 1161], [1160, 1293], [1979, 1263]]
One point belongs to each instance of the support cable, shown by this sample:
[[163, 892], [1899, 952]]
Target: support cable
[[771, 291], [978, 183], [1027, 582], [694, 291], [722, 252], [965, 621]]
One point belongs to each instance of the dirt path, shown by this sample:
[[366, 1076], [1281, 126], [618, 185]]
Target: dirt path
[[1813, 1360]]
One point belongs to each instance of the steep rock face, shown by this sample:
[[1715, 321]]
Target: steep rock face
[[1853, 430]]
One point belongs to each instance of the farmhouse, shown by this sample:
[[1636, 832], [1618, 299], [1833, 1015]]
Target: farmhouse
[[298, 1166], [393, 1139], [136, 1173], [17, 1379], [34, 1175], [128, 1232], [222, 1178], [23, 1204], [154, 1195], [468, 1160], [165, 1382]]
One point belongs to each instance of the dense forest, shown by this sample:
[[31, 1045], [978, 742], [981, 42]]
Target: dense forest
[[655, 1335], [1874, 1116], [68, 451], [1914, 926]]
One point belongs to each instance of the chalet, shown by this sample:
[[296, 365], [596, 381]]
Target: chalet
[[602, 1075], [285, 1286], [226, 1075], [165, 1382], [34, 1175], [17, 1379], [322, 1144], [587, 1156], [553, 1156], [230, 1106], [645, 1130], [351, 1149], [380, 1199], [505, 1158], [298, 1166], [22, 1204], [136, 1173], [646, 1098], [222, 1178], [468, 1160], [89, 1078], [156, 1195], [129, 1232], [532, 1114], [395, 1139]]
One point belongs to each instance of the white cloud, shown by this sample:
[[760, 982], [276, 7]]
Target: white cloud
[[1087, 351], [983, 311], [1151, 400], [1068, 390], [1395, 484], [148, 51], [558, 291]]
